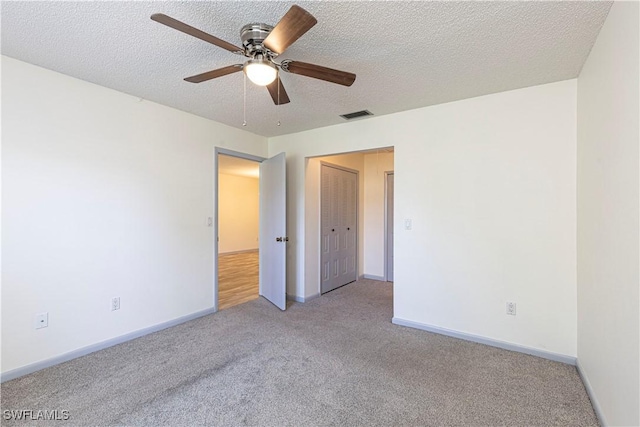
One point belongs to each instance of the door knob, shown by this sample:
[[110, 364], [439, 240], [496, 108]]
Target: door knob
[[278, 239], [282, 239], [333, 229]]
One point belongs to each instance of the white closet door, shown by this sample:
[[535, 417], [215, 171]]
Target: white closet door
[[326, 235], [349, 226], [338, 204]]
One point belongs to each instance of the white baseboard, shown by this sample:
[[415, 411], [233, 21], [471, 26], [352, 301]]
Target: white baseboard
[[570, 360], [302, 299], [372, 277], [33, 367], [295, 298], [594, 402]]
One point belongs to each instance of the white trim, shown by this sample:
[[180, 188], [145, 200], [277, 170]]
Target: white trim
[[33, 367], [295, 298], [239, 154], [592, 396], [302, 299], [562, 358], [372, 277]]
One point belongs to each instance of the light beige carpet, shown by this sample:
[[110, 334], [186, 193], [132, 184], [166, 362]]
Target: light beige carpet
[[336, 360]]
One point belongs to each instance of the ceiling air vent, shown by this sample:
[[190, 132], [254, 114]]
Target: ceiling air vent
[[356, 115]]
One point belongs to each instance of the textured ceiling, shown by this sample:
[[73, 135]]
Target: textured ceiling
[[405, 54]]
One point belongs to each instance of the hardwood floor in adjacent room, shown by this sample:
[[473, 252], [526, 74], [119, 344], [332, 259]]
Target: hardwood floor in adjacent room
[[237, 278]]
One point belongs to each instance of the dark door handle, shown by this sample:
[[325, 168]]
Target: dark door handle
[[348, 228], [333, 229]]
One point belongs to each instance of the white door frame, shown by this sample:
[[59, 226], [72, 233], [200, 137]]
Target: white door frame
[[386, 223], [346, 169], [226, 152]]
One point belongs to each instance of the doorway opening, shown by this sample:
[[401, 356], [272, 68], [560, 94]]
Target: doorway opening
[[373, 238], [238, 230], [263, 238]]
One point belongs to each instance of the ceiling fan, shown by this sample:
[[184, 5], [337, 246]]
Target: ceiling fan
[[262, 43]]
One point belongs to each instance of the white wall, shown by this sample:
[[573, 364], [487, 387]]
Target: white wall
[[490, 185], [608, 215], [375, 166], [238, 213], [102, 196]]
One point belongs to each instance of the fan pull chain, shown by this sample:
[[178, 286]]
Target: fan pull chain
[[244, 100], [278, 109]]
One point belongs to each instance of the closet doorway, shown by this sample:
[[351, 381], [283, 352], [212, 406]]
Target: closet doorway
[[370, 232], [339, 226]]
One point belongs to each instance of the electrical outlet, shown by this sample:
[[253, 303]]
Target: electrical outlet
[[41, 320], [115, 304], [511, 308]]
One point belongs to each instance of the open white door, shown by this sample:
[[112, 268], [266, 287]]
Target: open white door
[[273, 230]]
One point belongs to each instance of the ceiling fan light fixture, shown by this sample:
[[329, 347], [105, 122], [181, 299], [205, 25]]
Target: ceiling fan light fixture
[[260, 71], [261, 44]]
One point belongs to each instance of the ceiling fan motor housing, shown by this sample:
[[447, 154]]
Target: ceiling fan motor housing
[[253, 35]]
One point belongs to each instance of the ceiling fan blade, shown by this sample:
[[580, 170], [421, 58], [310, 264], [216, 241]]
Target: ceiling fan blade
[[281, 98], [317, 72], [293, 24], [187, 29], [199, 78]]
